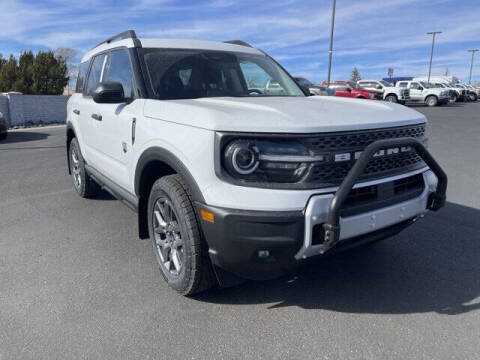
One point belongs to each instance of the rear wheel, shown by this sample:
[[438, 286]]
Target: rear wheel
[[431, 100], [391, 98], [83, 183], [180, 250], [472, 97], [454, 98]]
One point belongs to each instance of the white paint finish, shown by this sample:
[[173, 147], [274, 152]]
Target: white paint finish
[[283, 114]]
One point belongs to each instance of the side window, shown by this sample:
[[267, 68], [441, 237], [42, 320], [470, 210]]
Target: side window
[[415, 86], [82, 72], [119, 69], [95, 74], [402, 84]]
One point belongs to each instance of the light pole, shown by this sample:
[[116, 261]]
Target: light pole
[[331, 43], [471, 65], [431, 54]]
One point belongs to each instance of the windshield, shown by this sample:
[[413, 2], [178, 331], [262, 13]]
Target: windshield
[[354, 85], [386, 83], [426, 85], [191, 74]]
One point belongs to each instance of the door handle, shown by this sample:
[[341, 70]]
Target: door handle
[[77, 112], [134, 125], [97, 117]]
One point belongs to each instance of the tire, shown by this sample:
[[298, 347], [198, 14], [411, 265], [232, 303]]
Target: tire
[[83, 183], [472, 96], [454, 98], [431, 101], [180, 250], [391, 98], [3, 136], [403, 102]]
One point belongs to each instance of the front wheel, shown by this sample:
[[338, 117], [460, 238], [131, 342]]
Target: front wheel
[[472, 97], [431, 101], [391, 98], [180, 250], [454, 98]]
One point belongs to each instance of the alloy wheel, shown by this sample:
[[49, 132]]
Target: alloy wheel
[[77, 178], [168, 238]]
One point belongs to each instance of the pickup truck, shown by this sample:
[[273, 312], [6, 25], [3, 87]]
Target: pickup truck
[[386, 91], [423, 92]]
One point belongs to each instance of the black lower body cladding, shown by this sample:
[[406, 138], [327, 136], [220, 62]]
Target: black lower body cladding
[[239, 240]]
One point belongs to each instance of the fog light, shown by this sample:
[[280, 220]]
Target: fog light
[[263, 254]]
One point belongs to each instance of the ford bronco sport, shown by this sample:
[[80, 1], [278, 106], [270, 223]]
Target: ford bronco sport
[[230, 182]]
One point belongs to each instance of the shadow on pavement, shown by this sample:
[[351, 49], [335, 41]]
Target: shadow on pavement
[[23, 136], [433, 266]]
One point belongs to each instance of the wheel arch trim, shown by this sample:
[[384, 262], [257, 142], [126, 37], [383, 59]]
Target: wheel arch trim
[[160, 154]]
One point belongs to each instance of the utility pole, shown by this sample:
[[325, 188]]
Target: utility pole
[[471, 65], [431, 54], [331, 43]]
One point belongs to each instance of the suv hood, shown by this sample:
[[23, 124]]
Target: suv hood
[[282, 114]]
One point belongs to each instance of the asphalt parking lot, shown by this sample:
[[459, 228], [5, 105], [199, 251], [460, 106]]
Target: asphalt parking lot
[[76, 283]]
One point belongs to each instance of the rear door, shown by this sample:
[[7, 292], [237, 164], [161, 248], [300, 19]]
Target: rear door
[[342, 91]]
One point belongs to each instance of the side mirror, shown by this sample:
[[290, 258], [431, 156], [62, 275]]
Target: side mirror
[[109, 93], [349, 90], [420, 88], [379, 87]]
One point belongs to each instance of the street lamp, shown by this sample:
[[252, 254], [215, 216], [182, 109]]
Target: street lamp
[[471, 65], [431, 54], [331, 43]]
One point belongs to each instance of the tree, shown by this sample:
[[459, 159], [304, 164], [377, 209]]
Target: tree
[[8, 74], [24, 81], [49, 74], [355, 75], [66, 54]]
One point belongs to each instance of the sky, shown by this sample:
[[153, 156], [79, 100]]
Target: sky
[[372, 35]]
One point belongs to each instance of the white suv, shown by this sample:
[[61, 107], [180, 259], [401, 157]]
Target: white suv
[[421, 91], [230, 182], [386, 91]]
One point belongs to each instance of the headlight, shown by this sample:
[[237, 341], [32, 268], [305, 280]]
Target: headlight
[[260, 160]]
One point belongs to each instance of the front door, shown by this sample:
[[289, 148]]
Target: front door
[[115, 140]]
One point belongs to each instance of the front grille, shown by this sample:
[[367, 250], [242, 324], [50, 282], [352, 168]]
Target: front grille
[[332, 173], [360, 139]]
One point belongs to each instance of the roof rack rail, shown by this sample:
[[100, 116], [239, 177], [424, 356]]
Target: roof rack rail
[[238, 42], [129, 34]]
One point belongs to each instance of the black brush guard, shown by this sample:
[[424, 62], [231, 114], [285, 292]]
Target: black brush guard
[[436, 200]]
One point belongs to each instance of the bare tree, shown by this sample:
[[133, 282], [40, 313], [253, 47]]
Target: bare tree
[[67, 55]]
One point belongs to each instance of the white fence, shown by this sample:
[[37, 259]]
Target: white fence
[[21, 110]]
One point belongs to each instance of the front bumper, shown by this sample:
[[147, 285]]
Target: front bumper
[[263, 245]]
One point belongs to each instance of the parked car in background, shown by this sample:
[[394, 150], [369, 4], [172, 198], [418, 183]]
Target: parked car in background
[[445, 82], [313, 89], [476, 90], [472, 95], [423, 92], [386, 91], [3, 127], [349, 89]]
